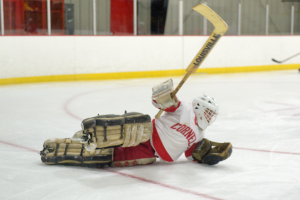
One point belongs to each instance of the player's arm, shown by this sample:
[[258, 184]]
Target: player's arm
[[161, 96]]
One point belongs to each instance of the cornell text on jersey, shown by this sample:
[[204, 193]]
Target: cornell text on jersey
[[186, 131]]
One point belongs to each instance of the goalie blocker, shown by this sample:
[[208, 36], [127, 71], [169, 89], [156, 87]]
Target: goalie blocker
[[94, 145]]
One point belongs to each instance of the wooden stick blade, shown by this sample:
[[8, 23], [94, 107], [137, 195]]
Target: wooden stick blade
[[220, 25], [220, 29]]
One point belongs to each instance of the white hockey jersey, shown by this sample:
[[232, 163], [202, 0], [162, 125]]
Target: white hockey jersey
[[176, 132]]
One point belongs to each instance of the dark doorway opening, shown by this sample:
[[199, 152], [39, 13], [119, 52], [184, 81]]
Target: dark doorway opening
[[158, 16]]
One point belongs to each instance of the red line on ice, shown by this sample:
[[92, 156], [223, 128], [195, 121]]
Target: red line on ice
[[268, 151], [163, 185], [68, 102], [19, 146], [286, 104], [292, 108], [282, 109]]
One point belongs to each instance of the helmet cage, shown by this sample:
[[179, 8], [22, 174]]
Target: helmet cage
[[210, 116], [206, 110]]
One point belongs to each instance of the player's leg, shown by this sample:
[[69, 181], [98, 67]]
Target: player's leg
[[141, 154]]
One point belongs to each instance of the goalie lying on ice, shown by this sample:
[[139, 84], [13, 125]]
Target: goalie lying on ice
[[133, 139]]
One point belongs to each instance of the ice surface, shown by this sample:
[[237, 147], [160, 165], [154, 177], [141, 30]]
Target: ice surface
[[259, 115]]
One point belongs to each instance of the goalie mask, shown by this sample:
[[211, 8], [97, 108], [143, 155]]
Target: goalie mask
[[206, 110]]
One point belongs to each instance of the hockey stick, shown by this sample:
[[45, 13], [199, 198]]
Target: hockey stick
[[286, 59], [220, 29]]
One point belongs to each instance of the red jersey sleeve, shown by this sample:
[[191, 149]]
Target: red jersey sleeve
[[170, 109], [188, 153]]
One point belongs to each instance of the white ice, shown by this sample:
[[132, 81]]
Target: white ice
[[259, 115]]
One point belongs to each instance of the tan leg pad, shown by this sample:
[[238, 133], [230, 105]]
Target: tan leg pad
[[69, 152], [126, 130]]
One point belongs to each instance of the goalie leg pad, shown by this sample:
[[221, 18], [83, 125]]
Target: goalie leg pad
[[94, 145], [211, 153], [71, 152], [108, 131]]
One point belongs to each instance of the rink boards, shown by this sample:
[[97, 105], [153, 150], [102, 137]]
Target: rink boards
[[29, 59]]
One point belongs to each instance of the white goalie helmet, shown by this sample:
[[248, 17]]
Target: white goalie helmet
[[206, 110]]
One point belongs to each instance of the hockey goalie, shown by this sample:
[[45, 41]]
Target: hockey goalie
[[133, 139]]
